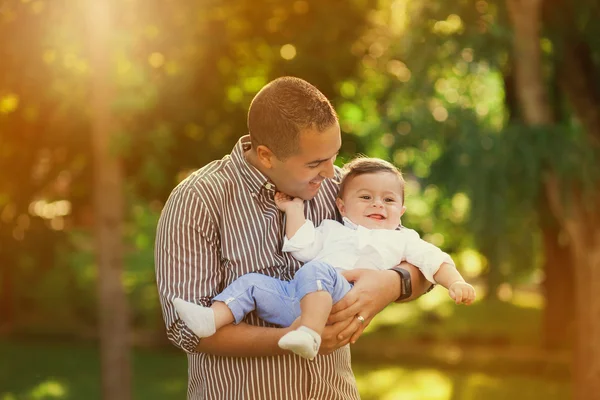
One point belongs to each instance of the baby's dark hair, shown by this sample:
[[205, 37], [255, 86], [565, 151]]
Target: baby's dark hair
[[367, 165]]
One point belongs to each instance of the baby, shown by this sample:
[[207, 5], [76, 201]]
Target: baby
[[371, 202]]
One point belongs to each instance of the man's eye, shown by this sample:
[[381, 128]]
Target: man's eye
[[313, 166]]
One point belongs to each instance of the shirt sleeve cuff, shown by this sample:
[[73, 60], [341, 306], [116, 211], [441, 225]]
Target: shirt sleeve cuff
[[304, 237], [183, 337], [435, 265]]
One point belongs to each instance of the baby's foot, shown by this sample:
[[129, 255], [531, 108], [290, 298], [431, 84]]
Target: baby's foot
[[303, 341], [201, 320]]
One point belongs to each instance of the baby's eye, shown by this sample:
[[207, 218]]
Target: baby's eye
[[389, 200], [365, 197]]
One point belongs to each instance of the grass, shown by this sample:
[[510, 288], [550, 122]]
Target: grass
[[43, 370], [70, 370], [435, 318]]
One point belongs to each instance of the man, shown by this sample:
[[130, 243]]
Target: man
[[221, 222]]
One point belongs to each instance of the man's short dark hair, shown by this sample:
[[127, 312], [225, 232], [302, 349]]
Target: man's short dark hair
[[366, 165], [284, 108]]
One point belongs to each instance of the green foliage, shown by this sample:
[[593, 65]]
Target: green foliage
[[183, 76], [425, 84]]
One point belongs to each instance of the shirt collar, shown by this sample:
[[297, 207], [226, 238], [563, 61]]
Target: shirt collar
[[349, 224], [255, 179]]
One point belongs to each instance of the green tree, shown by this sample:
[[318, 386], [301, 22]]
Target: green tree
[[529, 161]]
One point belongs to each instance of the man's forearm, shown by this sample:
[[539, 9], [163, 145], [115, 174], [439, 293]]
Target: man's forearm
[[420, 285], [243, 340]]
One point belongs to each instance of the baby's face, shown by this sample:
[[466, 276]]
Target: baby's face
[[373, 200]]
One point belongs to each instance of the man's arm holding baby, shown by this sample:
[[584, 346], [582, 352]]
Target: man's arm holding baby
[[373, 290], [187, 258], [244, 340]]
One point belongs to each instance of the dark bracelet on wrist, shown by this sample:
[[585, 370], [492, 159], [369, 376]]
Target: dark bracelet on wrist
[[405, 283]]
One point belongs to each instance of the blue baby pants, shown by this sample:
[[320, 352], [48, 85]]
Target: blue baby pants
[[277, 301]]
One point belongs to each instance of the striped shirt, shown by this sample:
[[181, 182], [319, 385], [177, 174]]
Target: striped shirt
[[218, 224]]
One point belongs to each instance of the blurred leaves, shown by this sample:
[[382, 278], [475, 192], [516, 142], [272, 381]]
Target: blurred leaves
[[425, 84]]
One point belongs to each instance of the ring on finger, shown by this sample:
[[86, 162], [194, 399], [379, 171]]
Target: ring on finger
[[360, 319]]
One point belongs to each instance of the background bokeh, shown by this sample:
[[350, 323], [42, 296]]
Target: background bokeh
[[490, 107]]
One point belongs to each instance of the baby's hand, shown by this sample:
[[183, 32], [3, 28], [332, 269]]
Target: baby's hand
[[462, 292], [285, 202]]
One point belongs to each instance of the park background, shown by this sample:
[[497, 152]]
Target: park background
[[490, 107]]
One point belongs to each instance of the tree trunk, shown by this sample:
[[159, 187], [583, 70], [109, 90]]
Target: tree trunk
[[108, 207], [525, 16], [558, 283], [578, 217], [581, 220], [558, 318], [492, 276]]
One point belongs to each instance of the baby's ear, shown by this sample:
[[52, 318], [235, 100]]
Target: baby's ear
[[340, 205], [403, 210]]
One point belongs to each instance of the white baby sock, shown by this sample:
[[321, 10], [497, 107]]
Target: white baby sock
[[303, 341], [201, 320]]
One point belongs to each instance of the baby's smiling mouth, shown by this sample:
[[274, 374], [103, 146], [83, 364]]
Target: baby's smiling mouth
[[376, 216]]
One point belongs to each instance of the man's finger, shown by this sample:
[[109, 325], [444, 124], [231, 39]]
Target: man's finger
[[351, 275], [331, 332], [349, 299], [330, 341], [345, 313], [359, 332], [347, 333]]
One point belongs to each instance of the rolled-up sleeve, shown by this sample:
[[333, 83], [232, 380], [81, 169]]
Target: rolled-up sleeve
[[423, 255], [306, 243], [186, 260]]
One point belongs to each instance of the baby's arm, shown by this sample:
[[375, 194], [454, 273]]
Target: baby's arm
[[459, 290], [302, 239], [437, 266], [294, 211]]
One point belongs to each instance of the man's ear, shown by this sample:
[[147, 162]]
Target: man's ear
[[265, 156], [340, 205]]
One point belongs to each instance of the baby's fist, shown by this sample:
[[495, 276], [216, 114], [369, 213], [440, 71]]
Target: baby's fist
[[462, 292], [285, 202]]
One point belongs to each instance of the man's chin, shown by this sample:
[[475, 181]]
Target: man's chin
[[307, 196]]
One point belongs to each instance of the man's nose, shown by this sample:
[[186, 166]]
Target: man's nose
[[328, 170]]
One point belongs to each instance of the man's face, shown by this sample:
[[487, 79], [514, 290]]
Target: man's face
[[373, 200], [301, 174]]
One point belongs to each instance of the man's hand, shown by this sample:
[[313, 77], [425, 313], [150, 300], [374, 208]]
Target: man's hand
[[329, 338], [373, 290]]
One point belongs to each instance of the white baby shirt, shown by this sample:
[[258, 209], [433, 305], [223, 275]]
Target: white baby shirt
[[348, 246]]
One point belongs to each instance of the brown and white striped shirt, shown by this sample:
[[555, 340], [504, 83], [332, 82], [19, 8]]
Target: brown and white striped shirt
[[218, 224]]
